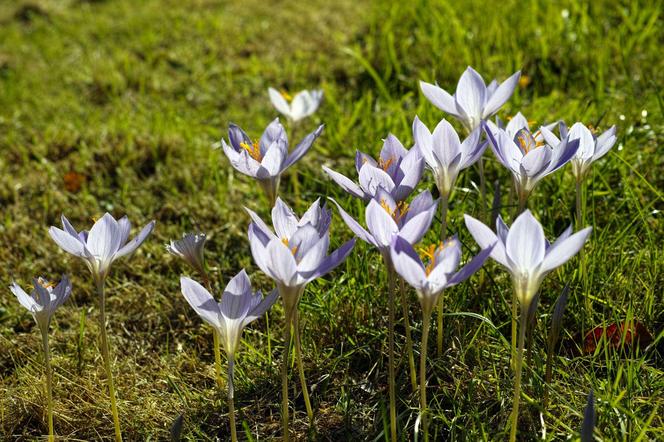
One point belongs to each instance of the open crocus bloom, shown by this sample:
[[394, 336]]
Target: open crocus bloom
[[43, 300], [190, 250], [238, 307], [473, 100], [267, 158], [444, 152], [591, 147], [304, 103], [397, 171], [440, 271], [387, 218], [524, 250], [106, 242], [297, 253], [528, 159]]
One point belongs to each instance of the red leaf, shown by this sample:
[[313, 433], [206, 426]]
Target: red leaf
[[634, 333]]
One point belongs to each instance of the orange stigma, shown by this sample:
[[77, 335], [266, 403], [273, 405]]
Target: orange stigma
[[385, 164], [253, 150]]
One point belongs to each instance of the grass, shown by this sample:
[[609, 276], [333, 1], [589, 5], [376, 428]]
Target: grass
[[129, 96]]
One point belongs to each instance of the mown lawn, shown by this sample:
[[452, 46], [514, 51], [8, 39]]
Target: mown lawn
[[115, 105]]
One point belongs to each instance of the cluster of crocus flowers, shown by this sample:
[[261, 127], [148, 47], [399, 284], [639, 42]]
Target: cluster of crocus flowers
[[397, 171], [524, 251], [107, 241], [267, 158], [293, 255], [42, 302], [239, 306], [297, 107]]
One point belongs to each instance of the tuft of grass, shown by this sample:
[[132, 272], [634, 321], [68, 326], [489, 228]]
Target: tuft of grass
[[130, 96]]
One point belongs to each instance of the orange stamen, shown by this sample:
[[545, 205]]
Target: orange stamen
[[286, 95], [399, 211], [292, 249], [385, 164], [253, 150]]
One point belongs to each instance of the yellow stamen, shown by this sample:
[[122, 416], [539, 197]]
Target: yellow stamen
[[253, 150], [385, 164], [399, 211], [286, 95], [44, 283], [524, 81], [292, 249]]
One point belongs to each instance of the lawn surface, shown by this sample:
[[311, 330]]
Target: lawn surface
[[115, 105]]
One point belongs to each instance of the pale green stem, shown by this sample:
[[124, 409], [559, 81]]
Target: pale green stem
[[231, 398], [293, 171], [390, 339], [284, 373], [443, 237], [517, 380], [514, 301], [409, 338], [523, 202], [426, 319], [49, 384], [300, 367], [217, 358], [480, 166], [580, 213], [107, 358]]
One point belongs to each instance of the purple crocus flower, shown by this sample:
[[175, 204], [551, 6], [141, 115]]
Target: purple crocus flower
[[386, 218], [524, 250], [528, 159], [440, 271], [104, 243], [239, 306], [397, 171], [43, 300], [591, 147], [444, 152], [265, 159], [297, 253], [303, 104], [474, 101]]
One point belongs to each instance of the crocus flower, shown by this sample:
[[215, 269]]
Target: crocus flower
[[591, 147], [44, 299], [524, 250], [440, 271], [473, 100], [429, 281], [239, 306], [387, 218], [529, 160], [304, 103], [103, 244], [297, 253], [397, 171], [190, 250], [293, 257], [529, 257], [41, 303], [444, 152], [265, 159]]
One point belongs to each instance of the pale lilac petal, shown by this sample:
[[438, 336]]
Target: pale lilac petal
[[381, 224], [23, 298], [284, 220], [423, 201], [66, 225], [409, 175], [561, 251], [272, 162], [136, 242], [361, 159], [236, 136], [471, 93], [416, 227], [104, 238], [345, 183], [407, 263], [517, 123], [273, 133], [262, 306], [356, 228], [302, 147], [332, 260], [501, 95], [525, 243], [439, 98], [236, 299], [258, 241], [564, 152], [470, 268], [282, 262], [313, 254], [373, 178], [201, 301], [485, 238], [124, 227], [605, 142], [392, 153], [446, 143], [536, 161], [67, 242], [279, 102], [549, 137], [501, 229], [303, 240]]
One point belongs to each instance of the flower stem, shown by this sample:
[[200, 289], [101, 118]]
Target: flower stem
[[443, 237], [107, 358], [517, 370], [523, 202], [231, 395], [217, 358], [514, 301], [390, 338], [580, 212], [480, 166], [423, 374], [409, 338], [49, 384], [300, 367], [284, 373]]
